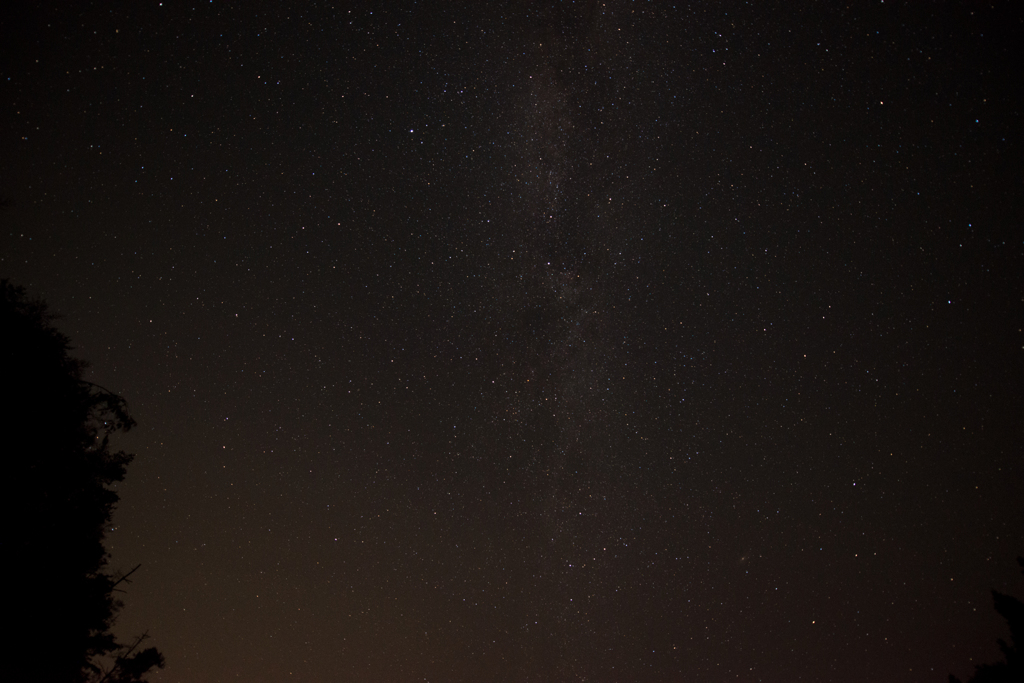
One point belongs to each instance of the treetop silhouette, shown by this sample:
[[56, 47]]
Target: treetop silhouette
[[1011, 670], [60, 468]]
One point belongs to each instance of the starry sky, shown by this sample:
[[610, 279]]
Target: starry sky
[[540, 341]]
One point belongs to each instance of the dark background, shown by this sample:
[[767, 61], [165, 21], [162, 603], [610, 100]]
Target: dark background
[[607, 341]]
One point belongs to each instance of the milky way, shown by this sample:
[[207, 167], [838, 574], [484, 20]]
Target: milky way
[[568, 491]]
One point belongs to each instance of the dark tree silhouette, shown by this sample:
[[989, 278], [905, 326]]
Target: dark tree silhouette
[[1012, 670], [58, 468]]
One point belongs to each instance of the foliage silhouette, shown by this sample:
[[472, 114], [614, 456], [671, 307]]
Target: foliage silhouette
[[1012, 670], [59, 465]]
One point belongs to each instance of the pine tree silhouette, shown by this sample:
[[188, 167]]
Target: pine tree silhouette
[[1011, 670], [59, 467]]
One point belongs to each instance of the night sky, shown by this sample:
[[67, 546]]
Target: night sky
[[540, 341]]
